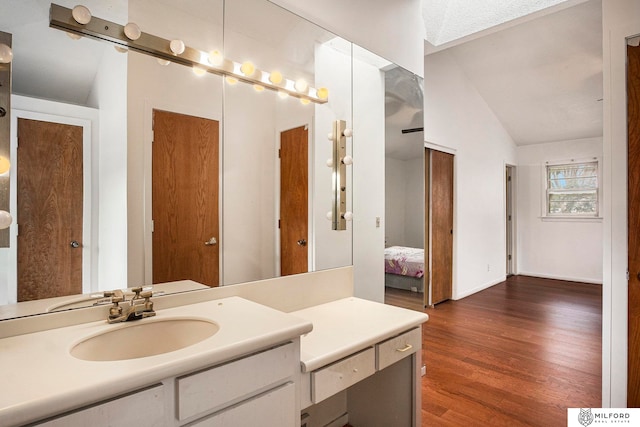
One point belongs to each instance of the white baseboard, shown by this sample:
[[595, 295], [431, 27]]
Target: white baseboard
[[478, 289], [566, 278]]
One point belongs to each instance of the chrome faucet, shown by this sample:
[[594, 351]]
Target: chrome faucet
[[140, 305]]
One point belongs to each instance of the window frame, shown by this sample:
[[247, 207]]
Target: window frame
[[546, 215]]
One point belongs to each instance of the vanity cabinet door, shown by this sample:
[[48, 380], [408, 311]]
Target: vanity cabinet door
[[275, 408], [142, 408], [235, 381]]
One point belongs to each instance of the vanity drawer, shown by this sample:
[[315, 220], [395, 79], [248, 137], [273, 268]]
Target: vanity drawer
[[274, 408], [328, 381], [394, 349], [232, 381]]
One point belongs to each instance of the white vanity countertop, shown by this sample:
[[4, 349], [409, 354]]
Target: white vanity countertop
[[40, 377], [348, 325]]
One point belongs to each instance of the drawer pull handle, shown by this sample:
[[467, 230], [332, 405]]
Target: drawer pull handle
[[406, 348]]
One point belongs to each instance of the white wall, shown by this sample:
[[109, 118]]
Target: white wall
[[404, 202], [368, 180], [457, 117], [392, 29], [620, 19], [569, 249]]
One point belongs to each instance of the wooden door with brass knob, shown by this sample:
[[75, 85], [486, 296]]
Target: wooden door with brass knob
[[294, 200], [50, 209], [185, 198]]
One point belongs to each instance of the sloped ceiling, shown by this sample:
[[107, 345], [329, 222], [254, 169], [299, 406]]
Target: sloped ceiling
[[542, 78]]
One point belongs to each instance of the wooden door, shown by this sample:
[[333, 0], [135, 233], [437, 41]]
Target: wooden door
[[426, 295], [633, 200], [50, 203], [294, 201], [185, 198], [441, 226]]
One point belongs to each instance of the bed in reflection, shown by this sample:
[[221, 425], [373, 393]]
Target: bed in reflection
[[404, 268]]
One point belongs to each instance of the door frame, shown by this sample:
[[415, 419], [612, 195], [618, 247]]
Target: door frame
[[311, 256], [511, 199], [149, 106], [89, 267]]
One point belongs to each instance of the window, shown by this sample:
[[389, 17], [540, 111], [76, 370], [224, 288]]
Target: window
[[572, 189]]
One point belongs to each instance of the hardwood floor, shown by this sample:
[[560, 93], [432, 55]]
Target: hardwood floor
[[517, 354]]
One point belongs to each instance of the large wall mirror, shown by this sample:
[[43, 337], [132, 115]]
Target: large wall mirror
[[228, 189]]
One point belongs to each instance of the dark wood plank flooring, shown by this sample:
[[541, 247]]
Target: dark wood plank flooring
[[517, 354]]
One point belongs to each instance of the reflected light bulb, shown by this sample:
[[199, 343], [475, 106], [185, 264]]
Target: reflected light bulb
[[5, 165], [199, 71], [348, 216], [215, 58], [231, 80], [304, 101], [347, 160], [348, 133], [283, 95], [258, 88], [301, 85], [163, 61], [177, 46], [132, 31], [275, 77], [323, 93], [5, 220], [329, 215], [81, 14], [73, 36], [330, 136], [6, 54], [120, 49], [330, 163], [248, 68]]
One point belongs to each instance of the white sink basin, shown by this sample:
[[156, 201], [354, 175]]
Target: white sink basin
[[144, 338]]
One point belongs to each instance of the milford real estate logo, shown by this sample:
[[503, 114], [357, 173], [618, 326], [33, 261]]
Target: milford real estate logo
[[590, 417], [585, 417]]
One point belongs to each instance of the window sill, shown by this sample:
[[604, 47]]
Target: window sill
[[571, 218]]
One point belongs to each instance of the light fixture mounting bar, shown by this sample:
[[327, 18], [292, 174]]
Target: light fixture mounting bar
[[61, 18], [339, 205]]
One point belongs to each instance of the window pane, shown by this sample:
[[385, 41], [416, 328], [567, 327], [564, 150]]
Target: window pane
[[573, 177], [573, 203]]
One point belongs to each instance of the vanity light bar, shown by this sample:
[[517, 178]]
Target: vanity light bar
[[5, 127], [61, 18], [339, 206]]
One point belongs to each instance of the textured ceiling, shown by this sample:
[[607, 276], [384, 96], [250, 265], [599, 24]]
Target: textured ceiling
[[448, 20]]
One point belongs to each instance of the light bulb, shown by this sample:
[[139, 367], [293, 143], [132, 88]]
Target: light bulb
[[275, 77], [304, 101], [348, 133], [215, 58], [301, 85], [348, 216], [81, 14], [329, 215], [347, 160], [330, 163], [283, 95], [330, 136], [323, 93], [5, 165], [6, 54], [199, 71], [73, 36], [177, 46], [120, 49], [163, 61], [132, 31], [258, 88], [5, 220], [248, 68], [231, 80]]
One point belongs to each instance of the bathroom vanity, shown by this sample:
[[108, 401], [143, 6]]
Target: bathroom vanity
[[244, 355]]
